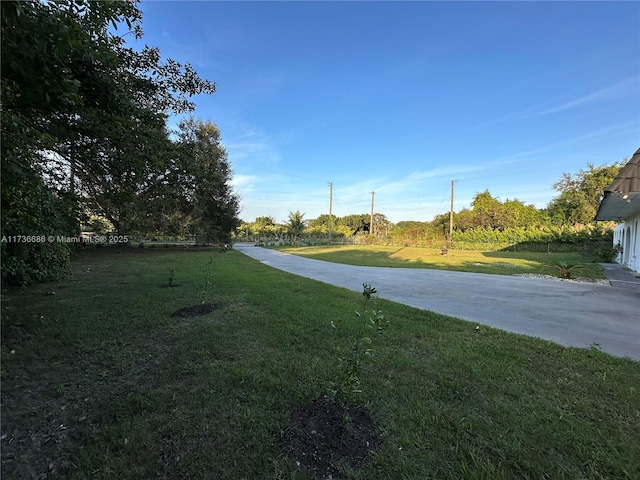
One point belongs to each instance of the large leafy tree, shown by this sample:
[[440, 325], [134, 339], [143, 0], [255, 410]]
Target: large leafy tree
[[125, 181], [517, 214], [36, 89], [323, 220], [202, 181], [381, 224], [119, 152], [487, 210], [356, 222], [82, 124], [581, 193], [264, 226], [412, 232]]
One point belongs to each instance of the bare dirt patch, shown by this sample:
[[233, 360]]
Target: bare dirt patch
[[323, 436], [196, 310]]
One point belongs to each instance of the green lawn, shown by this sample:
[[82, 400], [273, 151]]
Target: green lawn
[[99, 381], [501, 263]]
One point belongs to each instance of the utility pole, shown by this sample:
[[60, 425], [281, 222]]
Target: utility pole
[[451, 212], [371, 224], [330, 209]]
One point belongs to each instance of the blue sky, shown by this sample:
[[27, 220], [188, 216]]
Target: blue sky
[[401, 98]]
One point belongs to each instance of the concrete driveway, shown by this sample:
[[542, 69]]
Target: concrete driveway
[[573, 314]]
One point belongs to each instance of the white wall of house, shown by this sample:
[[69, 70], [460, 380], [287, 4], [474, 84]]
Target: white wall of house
[[627, 235]]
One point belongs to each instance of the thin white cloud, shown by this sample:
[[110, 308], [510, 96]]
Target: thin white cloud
[[606, 132], [246, 183], [251, 145], [617, 90], [419, 195], [621, 89], [595, 135], [417, 180]]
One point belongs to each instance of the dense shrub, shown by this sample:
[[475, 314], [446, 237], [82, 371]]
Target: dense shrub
[[588, 239], [30, 208]]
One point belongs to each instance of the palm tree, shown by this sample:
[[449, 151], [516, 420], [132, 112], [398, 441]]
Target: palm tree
[[296, 224]]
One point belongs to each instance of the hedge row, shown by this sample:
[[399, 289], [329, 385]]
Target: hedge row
[[536, 235]]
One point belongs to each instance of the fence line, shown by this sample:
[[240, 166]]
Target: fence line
[[171, 240]]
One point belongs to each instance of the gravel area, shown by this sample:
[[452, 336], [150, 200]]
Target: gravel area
[[593, 281]]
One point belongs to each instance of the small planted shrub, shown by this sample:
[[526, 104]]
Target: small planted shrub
[[207, 280], [204, 307], [607, 254], [171, 283], [566, 269], [352, 362], [331, 433]]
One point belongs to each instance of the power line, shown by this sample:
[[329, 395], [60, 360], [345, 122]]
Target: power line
[[371, 224], [451, 211]]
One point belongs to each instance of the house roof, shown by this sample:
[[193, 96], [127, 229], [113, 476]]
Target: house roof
[[622, 198], [628, 180]]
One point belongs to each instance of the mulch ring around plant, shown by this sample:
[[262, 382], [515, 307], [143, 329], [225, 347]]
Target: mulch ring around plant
[[196, 310], [321, 437]]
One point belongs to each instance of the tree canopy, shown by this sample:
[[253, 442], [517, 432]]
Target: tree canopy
[[202, 183], [581, 193], [84, 134]]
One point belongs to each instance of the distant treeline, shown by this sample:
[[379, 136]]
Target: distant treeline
[[490, 224], [594, 239]]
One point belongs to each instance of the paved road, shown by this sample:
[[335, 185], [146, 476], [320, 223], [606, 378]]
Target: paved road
[[573, 314]]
